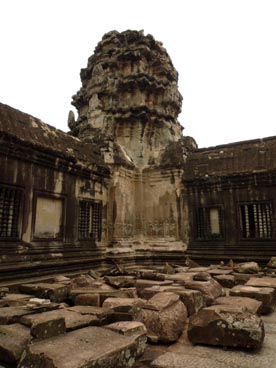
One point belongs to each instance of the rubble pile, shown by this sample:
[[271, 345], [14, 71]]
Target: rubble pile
[[107, 320]]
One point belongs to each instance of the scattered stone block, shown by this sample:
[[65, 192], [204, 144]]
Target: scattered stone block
[[104, 294], [226, 325], [3, 291], [262, 282], [9, 315], [103, 314], [164, 323], [227, 281], [264, 294], [143, 284], [247, 267], [251, 305], [134, 329], [125, 305], [44, 325], [57, 293], [210, 289], [73, 320], [181, 277], [220, 271], [13, 340], [272, 262], [121, 281], [202, 276], [88, 299], [88, 347], [14, 300]]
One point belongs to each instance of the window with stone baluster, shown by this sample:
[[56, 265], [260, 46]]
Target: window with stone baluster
[[90, 220], [256, 220], [10, 207]]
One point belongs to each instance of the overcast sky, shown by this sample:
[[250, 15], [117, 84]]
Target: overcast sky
[[224, 51]]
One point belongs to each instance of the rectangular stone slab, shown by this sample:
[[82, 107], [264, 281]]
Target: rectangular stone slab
[[13, 340], [262, 282], [10, 315], [73, 320], [88, 347], [55, 292]]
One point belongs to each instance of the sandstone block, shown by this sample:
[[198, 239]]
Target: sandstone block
[[121, 281], [9, 315], [210, 289], [226, 325], [251, 305], [56, 292], [143, 284], [73, 320], [227, 281], [125, 305], [103, 314], [262, 282], [44, 325], [88, 299], [134, 329], [247, 267], [272, 262], [264, 294], [13, 340], [164, 323], [88, 347], [14, 300]]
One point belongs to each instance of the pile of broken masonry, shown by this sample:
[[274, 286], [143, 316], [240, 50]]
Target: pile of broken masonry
[[108, 320]]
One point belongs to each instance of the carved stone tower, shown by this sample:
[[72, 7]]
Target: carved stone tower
[[128, 105]]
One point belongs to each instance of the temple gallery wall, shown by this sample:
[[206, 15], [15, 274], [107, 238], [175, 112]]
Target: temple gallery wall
[[124, 184]]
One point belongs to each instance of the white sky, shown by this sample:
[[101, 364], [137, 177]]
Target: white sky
[[224, 51]]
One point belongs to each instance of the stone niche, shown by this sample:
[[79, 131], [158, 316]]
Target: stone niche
[[48, 218]]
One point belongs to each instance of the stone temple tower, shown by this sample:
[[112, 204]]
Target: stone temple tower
[[128, 105]]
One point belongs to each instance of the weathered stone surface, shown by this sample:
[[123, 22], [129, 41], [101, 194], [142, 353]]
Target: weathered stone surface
[[88, 347], [252, 305], [151, 275], [175, 360], [143, 284], [104, 294], [202, 276], [226, 325], [181, 277], [134, 329], [192, 299], [3, 291], [247, 267], [124, 304], [103, 314], [9, 315], [73, 320], [210, 289], [44, 325], [163, 325], [55, 292], [272, 262], [227, 281], [265, 295], [88, 299], [262, 282], [13, 340], [121, 281], [161, 301], [82, 281], [14, 300]]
